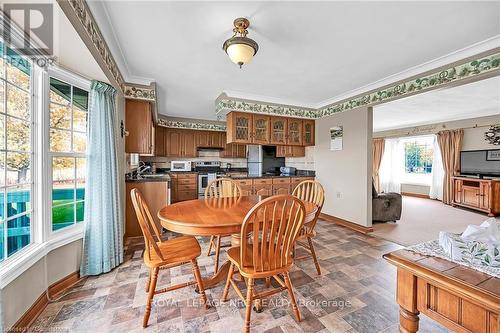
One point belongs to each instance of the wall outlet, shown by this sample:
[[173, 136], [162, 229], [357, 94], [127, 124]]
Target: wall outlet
[[339, 195]]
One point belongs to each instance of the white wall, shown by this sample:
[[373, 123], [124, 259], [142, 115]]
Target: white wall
[[19, 295], [302, 163], [346, 174]]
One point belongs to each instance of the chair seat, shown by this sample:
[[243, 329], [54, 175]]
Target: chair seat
[[233, 255], [174, 251]]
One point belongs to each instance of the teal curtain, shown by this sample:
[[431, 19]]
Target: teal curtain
[[103, 240]]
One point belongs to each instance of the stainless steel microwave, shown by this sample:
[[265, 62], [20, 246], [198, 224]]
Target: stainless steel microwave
[[180, 166]]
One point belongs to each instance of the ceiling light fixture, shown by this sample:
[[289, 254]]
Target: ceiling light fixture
[[240, 48]]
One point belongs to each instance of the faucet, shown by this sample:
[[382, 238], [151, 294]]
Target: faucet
[[141, 169]]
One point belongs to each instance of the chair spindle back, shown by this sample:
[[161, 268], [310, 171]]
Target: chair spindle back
[[269, 231], [222, 188], [313, 192]]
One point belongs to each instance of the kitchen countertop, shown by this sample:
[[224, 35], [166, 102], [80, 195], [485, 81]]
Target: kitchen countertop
[[162, 178], [269, 176], [166, 177]]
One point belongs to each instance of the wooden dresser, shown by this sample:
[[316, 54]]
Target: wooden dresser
[[458, 297], [478, 194]]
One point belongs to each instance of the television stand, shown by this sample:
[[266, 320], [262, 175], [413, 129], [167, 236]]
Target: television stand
[[477, 193]]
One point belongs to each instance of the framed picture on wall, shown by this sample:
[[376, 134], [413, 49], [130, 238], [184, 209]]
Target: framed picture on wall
[[493, 155], [336, 137]]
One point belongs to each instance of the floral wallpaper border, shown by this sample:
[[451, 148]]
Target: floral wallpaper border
[[139, 92], [455, 73], [191, 125], [84, 15], [89, 24], [226, 103], [468, 69]]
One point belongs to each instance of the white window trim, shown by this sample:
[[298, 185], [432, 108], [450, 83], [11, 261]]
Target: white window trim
[[44, 240], [415, 178], [79, 82]]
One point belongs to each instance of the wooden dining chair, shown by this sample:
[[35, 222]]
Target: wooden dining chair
[[164, 254], [220, 188], [268, 235], [310, 191]]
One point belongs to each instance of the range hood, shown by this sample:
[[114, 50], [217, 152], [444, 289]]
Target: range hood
[[209, 149]]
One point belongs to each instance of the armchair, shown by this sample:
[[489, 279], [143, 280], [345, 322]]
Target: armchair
[[386, 206]]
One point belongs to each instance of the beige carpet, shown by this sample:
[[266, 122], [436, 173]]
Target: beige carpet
[[423, 219]]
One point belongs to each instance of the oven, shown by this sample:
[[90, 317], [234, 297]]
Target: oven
[[203, 180]]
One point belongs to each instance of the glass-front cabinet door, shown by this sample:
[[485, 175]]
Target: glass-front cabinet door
[[294, 136], [278, 130], [239, 127], [261, 129], [308, 137]]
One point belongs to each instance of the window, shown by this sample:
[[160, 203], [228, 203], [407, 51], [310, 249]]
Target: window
[[418, 156], [16, 152], [68, 139]]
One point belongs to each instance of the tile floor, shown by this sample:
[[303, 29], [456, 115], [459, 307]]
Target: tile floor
[[355, 293]]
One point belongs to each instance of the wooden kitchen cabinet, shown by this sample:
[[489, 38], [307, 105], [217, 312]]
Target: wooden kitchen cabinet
[[209, 139], [155, 193], [269, 186], [140, 127], [234, 150], [294, 132], [160, 141], [308, 132], [246, 186], [278, 130], [184, 186], [217, 139], [189, 148], [173, 143], [266, 190], [202, 138], [180, 143], [269, 130], [290, 151], [261, 129], [281, 185], [239, 127]]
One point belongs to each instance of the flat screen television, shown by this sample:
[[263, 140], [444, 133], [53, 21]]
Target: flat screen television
[[480, 163]]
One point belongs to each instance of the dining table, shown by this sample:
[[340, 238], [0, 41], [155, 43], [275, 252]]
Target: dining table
[[216, 217]]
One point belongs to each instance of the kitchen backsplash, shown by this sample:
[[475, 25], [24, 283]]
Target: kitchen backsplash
[[164, 162], [302, 163]]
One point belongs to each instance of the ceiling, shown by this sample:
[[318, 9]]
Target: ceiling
[[478, 99], [308, 53]]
